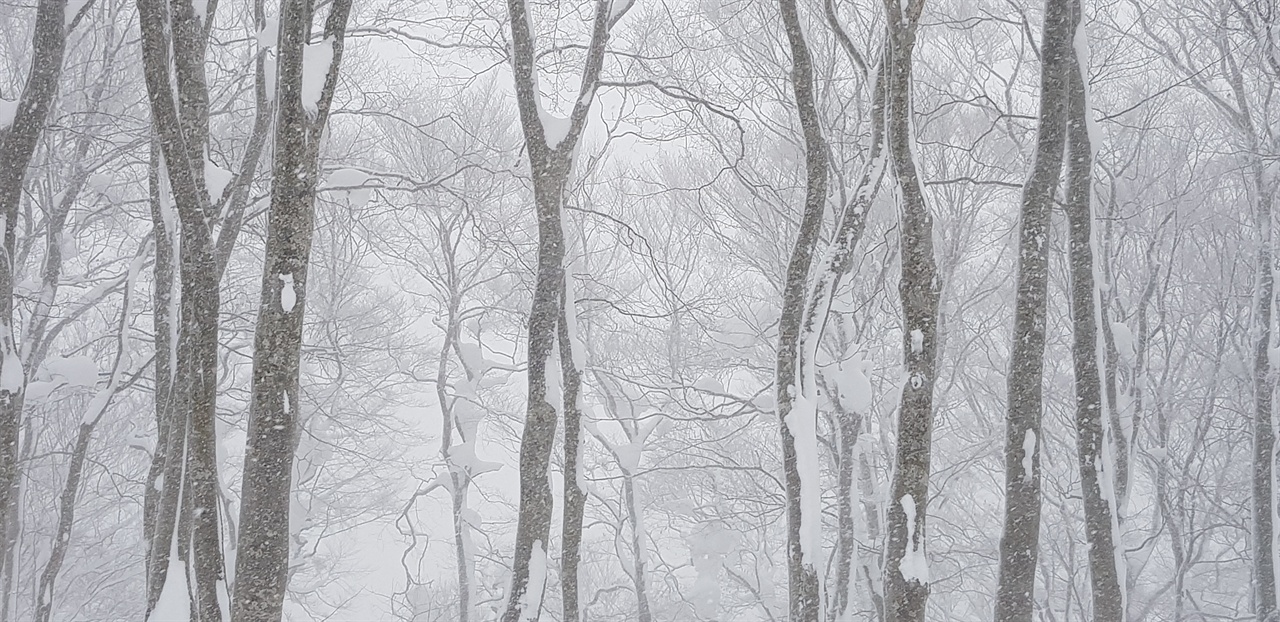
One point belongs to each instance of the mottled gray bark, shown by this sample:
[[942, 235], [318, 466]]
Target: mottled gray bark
[[262, 558], [1020, 540], [550, 162], [1095, 472], [906, 590], [17, 146], [803, 583], [575, 499], [187, 514]]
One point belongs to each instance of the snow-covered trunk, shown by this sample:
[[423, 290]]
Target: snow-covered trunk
[[17, 145], [160, 502], [1020, 539], [841, 596], [80, 450], [1094, 450], [639, 580], [572, 362], [459, 475], [906, 574], [551, 144], [793, 376], [262, 558]]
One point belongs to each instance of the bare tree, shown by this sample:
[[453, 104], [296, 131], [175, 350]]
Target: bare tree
[[550, 144], [17, 145], [906, 575], [1020, 540], [1106, 555], [262, 559]]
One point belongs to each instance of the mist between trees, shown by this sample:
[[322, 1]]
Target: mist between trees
[[638, 310]]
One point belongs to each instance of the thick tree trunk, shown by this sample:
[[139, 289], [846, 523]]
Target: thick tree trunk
[[262, 560], [17, 146], [906, 573], [190, 463], [1020, 540], [1096, 470], [793, 386]]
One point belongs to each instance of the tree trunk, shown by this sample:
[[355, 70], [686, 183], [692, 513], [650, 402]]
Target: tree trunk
[[190, 456], [262, 560], [575, 498], [17, 146], [1096, 476], [1020, 540], [906, 573], [793, 384], [551, 151]]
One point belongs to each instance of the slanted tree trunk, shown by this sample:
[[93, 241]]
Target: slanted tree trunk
[[550, 144], [1096, 470], [262, 559], [17, 145], [796, 395], [80, 449], [906, 573], [1020, 540]]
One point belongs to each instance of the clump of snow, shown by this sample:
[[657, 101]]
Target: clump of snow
[[174, 604], [11, 375], [802, 423], [554, 128], [1125, 342], [914, 566], [618, 7], [100, 182], [462, 457], [216, 179], [268, 36], [853, 385], [531, 600], [917, 341], [1028, 454], [348, 183], [288, 297], [708, 547], [709, 384], [8, 110], [316, 60]]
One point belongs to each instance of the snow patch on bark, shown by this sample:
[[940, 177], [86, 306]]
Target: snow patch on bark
[[288, 296], [317, 58], [174, 604], [802, 423], [531, 600], [1028, 454], [913, 566]]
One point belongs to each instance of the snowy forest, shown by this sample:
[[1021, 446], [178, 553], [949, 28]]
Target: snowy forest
[[639, 310]]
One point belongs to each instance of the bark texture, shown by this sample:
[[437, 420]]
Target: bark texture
[[803, 582], [17, 146], [1020, 540], [906, 580], [1096, 477], [550, 144], [262, 560]]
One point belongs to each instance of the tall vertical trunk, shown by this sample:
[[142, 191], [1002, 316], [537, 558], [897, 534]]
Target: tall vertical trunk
[[906, 574], [17, 146], [551, 150], [262, 560], [190, 482], [575, 498], [1020, 540], [1096, 470], [793, 384]]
